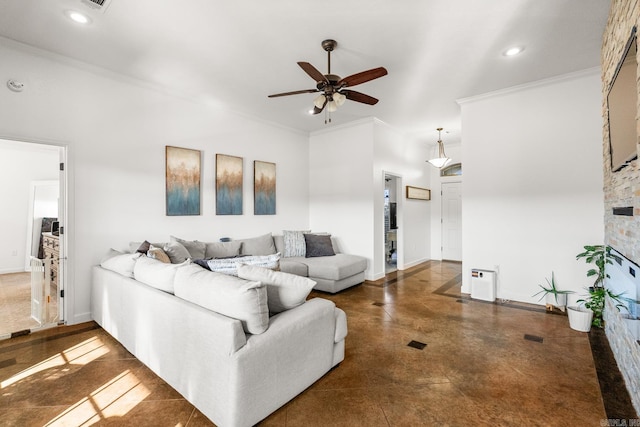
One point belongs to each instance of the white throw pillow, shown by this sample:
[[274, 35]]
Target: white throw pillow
[[233, 297], [230, 265], [119, 262], [284, 290], [156, 273], [294, 244]]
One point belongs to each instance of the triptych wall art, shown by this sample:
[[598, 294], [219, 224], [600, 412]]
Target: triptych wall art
[[182, 181], [183, 176], [264, 188], [229, 175]]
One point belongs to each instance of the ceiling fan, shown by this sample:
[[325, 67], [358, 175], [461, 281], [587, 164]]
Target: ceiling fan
[[334, 89]]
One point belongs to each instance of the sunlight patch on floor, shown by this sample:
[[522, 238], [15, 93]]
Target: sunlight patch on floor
[[114, 399], [81, 354]]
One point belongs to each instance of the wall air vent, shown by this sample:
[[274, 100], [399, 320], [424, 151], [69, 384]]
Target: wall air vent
[[97, 5]]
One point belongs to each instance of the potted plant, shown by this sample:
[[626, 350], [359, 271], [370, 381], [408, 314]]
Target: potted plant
[[599, 255], [553, 296]]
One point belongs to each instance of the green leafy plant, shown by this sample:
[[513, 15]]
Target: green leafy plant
[[595, 302], [599, 255], [552, 289]]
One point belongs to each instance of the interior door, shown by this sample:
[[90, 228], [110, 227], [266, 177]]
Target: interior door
[[452, 221]]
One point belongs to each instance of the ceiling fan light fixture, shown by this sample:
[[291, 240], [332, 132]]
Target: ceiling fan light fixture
[[441, 160], [332, 106], [339, 99], [319, 101]]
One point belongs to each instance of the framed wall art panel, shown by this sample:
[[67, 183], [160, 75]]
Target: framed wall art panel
[[264, 188], [229, 175], [182, 178], [418, 193]]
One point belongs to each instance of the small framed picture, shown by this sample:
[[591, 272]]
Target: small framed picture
[[418, 193]]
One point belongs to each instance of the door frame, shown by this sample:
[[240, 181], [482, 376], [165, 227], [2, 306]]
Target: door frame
[[399, 219], [64, 284]]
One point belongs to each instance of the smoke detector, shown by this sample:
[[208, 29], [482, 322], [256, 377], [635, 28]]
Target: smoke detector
[[15, 85]]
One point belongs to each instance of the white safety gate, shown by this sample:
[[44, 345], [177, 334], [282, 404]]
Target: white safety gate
[[41, 290]]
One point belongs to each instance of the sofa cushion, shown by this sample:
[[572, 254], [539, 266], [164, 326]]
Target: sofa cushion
[[284, 291], [294, 244], [177, 252], [196, 249], [119, 262], [156, 273], [233, 297], [230, 265], [222, 249], [261, 245], [336, 267], [318, 245], [294, 265]]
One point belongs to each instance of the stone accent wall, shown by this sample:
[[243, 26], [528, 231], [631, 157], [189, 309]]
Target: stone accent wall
[[625, 349], [620, 189]]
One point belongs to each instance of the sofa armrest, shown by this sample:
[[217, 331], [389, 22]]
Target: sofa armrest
[[292, 354], [341, 325]]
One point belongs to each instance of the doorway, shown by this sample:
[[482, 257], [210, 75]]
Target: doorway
[[391, 223], [32, 277], [452, 221]]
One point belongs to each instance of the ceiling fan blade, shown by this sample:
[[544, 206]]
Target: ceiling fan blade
[[312, 72], [317, 110], [359, 97], [295, 92], [362, 77]]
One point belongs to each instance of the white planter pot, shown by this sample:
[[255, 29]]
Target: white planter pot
[[550, 299], [580, 318]]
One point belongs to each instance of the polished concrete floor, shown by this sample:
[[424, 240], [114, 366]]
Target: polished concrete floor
[[417, 353]]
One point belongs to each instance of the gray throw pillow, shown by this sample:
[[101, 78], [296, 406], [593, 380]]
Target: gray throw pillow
[[318, 245], [261, 245], [222, 249], [196, 249], [177, 252]]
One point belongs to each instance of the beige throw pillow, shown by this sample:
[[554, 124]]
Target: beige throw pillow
[[284, 291], [233, 297]]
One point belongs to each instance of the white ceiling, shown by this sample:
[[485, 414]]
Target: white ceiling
[[235, 53]]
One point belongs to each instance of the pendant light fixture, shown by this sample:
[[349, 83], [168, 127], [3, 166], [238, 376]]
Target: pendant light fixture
[[442, 160]]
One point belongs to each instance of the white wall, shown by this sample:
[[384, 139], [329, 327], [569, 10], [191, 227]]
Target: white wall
[[397, 154], [341, 192], [116, 132], [347, 167], [532, 191], [20, 165]]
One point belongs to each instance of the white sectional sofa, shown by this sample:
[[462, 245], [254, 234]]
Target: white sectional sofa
[[234, 377]]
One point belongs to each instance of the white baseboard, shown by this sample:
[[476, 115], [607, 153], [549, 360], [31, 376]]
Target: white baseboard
[[12, 270], [80, 318], [414, 263]]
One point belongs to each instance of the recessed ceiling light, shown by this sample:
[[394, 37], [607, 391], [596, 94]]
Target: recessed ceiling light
[[78, 17], [512, 51]]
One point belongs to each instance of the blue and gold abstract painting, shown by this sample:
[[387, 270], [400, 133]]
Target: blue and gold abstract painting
[[229, 174], [182, 181], [264, 188]]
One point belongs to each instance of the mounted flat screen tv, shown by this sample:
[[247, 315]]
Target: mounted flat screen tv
[[622, 102]]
